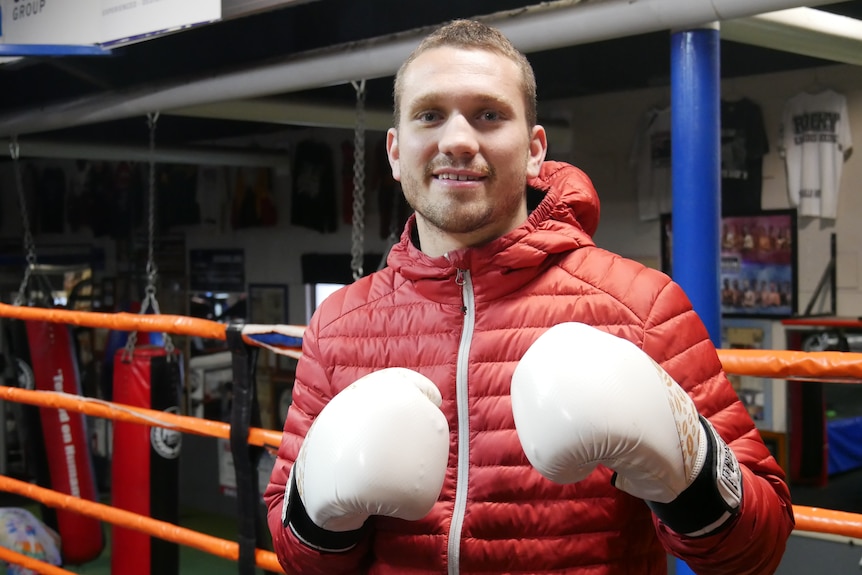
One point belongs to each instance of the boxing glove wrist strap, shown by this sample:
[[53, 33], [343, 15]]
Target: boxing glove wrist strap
[[713, 498], [296, 518]]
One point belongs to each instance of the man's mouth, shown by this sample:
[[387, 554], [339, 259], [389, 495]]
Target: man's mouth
[[459, 177]]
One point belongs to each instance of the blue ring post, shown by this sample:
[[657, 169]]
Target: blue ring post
[[696, 173], [696, 165]]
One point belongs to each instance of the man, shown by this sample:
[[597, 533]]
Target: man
[[506, 397]]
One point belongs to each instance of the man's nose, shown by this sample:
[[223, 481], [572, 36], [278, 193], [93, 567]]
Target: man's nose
[[458, 137]]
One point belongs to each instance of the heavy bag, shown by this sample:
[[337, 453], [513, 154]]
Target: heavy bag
[[67, 446], [145, 460], [32, 438]]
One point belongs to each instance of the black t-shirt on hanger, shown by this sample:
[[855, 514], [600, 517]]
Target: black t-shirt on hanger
[[743, 145]]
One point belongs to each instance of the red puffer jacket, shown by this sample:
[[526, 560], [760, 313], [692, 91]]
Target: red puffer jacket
[[464, 320]]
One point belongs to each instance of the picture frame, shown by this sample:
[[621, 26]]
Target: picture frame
[[764, 398], [267, 303], [759, 263]]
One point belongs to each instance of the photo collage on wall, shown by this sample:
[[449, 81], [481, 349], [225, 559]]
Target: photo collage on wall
[[758, 264]]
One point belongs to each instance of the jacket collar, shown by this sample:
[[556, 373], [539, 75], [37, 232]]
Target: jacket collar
[[563, 221]]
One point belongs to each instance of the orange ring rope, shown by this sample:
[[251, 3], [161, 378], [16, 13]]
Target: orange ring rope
[[41, 567], [782, 364], [161, 529], [817, 520], [132, 414], [833, 366], [120, 321], [124, 321]]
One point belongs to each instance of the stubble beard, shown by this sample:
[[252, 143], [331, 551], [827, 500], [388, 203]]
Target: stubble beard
[[449, 214]]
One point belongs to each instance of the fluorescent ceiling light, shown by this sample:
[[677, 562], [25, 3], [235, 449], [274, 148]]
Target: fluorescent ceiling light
[[804, 31]]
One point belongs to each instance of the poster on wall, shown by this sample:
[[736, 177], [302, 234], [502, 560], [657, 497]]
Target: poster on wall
[[758, 264], [759, 268]]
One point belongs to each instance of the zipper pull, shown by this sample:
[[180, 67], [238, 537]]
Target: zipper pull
[[460, 280]]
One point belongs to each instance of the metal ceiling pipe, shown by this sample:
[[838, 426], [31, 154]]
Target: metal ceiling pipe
[[215, 156], [802, 31], [534, 28]]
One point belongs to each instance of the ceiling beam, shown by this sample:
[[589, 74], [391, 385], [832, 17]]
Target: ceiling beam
[[201, 155], [543, 26], [280, 111], [291, 113]]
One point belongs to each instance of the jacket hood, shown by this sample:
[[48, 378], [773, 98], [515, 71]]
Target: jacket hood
[[564, 220], [574, 190]]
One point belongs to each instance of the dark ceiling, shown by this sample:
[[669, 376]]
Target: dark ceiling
[[627, 63]]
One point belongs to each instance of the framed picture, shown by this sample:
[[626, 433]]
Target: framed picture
[[758, 264], [267, 303], [764, 398]]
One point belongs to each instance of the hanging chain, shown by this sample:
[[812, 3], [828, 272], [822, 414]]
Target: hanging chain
[[357, 249], [152, 270], [150, 301], [29, 244]]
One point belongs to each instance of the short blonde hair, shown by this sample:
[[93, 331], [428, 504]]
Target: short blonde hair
[[470, 34]]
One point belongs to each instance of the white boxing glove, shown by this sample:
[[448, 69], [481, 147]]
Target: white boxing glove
[[583, 397], [379, 447]]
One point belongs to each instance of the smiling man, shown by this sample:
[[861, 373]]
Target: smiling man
[[505, 396]]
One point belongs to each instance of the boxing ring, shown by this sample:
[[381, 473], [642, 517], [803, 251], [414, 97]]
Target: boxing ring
[[845, 367]]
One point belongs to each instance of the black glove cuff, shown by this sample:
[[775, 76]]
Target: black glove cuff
[[296, 518], [715, 496]]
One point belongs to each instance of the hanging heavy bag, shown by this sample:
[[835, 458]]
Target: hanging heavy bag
[[145, 460], [67, 446]]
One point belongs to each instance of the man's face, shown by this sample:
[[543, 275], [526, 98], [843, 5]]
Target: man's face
[[462, 150]]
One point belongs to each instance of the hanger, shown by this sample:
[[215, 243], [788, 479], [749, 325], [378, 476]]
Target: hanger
[[815, 86]]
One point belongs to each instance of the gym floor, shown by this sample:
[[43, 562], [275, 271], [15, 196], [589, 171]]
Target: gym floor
[[192, 561]]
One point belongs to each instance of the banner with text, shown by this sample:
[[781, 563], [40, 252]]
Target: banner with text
[[103, 22]]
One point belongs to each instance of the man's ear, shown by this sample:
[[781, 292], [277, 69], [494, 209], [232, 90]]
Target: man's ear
[[393, 153], [538, 149]]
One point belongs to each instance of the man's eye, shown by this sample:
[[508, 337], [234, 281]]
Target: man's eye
[[491, 116], [428, 116]]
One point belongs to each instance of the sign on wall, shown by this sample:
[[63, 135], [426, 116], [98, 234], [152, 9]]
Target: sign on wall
[[104, 22]]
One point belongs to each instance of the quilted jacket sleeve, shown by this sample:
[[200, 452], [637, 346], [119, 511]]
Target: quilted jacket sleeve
[[755, 541], [310, 394]]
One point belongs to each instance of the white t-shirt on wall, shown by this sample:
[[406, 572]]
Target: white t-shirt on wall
[[650, 157], [815, 141]]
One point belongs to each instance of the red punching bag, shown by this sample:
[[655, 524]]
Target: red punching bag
[[145, 460], [67, 446]]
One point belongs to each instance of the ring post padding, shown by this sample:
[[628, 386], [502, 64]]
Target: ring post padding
[[244, 413], [145, 459]]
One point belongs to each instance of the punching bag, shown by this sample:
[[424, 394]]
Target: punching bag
[[145, 460], [67, 444]]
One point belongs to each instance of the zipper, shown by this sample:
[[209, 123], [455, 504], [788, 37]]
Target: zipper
[[462, 278]]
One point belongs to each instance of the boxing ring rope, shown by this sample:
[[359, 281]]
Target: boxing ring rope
[[842, 367], [161, 529]]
